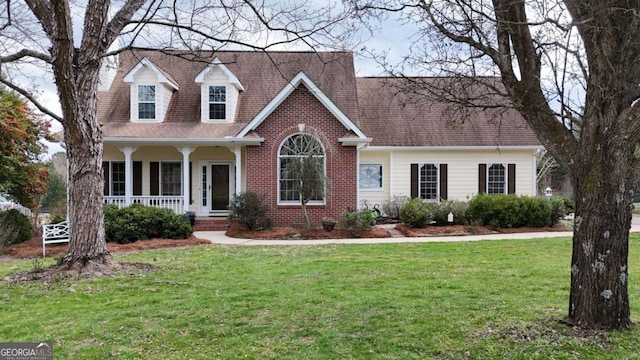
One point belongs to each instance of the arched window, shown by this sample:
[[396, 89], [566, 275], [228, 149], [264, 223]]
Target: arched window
[[301, 169]]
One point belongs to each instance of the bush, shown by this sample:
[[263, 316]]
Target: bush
[[139, 222], [507, 211], [560, 207], [535, 211], [502, 211], [22, 229], [392, 207], [247, 208], [357, 222], [416, 213], [442, 209], [56, 219]]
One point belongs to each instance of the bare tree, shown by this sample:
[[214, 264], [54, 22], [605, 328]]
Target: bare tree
[[70, 38], [570, 67], [303, 168], [546, 165]]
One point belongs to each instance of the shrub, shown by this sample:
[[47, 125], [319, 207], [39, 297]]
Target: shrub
[[56, 219], [495, 210], [442, 209], [247, 208], [535, 211], [139, 222], [560, 207], [416, 213], [507, 211], [357, 222], [392, 207], [23, 230]]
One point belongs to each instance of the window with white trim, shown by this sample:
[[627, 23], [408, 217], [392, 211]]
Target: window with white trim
[[294, 149], [114, 179], [496, 179], [370, 176], [146, 102], [171, 178], [217, 102], [428, 186]]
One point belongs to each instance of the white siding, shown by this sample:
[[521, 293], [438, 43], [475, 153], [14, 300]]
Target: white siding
[[462, 164], [163, 95], [218, 78], [382, 195]]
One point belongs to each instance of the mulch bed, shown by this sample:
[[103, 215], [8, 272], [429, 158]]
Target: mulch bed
[[301, 234], [33, 247], [459, 230]]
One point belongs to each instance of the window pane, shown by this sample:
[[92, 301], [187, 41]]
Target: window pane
[[293, 150], [496, 179], [146, 110], [217, 111], [171, 179], [146, 93], [370, 176], [117, 179], [217, 94], [429, 182]]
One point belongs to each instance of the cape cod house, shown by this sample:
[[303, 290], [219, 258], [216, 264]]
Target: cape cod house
[[188, 134]]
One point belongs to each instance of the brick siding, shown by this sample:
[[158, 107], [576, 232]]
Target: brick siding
[[302, 107]]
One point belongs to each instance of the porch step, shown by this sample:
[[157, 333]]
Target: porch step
[[211, 224]]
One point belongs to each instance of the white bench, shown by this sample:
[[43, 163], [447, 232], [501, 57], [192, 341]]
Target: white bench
[[54, 234]]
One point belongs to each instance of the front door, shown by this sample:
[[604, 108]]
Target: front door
[[217, 187]]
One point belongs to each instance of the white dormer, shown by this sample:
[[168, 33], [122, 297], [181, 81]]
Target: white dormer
[[219, 90], [150, 90]]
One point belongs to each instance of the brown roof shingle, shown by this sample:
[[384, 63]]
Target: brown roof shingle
[[263, 75], [393, 119]]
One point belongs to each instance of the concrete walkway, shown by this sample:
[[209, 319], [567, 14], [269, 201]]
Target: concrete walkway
[[219, 237]]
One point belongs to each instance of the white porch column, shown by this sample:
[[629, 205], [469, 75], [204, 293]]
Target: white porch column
[[237, 151], [186, 191], [128, 173]]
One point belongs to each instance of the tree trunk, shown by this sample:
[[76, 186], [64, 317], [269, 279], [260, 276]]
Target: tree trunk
[[603, 190], [77, 88]]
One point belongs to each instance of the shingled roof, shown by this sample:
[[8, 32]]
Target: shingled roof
[[263, 75], [374, 105], [393, 119]]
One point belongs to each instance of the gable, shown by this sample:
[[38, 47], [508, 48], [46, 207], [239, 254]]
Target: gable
[[302, 80]]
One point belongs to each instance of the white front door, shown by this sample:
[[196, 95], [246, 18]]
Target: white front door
[[217, 186]]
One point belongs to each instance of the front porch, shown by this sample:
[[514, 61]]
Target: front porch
[[198, 178]]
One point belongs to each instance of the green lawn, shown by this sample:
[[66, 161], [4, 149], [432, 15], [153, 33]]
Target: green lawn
[[480, 300]]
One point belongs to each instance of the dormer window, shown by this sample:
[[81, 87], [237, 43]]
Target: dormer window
[[146, 102], [219, 93], [217, 102], [150, 91]]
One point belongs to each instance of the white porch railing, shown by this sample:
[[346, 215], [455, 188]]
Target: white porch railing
[[23, 210], [174, 203]]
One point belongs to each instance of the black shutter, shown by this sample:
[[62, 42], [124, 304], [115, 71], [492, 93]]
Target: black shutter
[[414, 180], [443, 181], [190, 182], [106, 172], [154, 178], [137, 178], [511, 182], [482, 178]]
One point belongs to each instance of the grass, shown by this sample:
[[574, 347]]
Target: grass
[[481, 300]]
